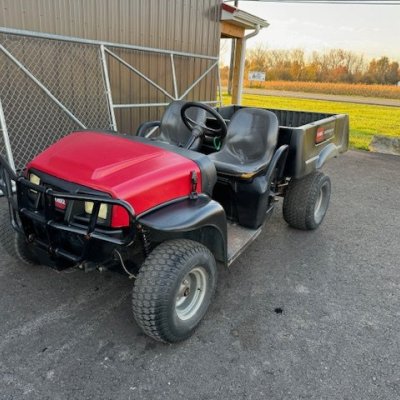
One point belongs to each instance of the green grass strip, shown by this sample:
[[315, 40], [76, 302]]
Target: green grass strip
[[365, 120]]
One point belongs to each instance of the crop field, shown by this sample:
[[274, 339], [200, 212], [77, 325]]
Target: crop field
[[346, 89], [365, 120]]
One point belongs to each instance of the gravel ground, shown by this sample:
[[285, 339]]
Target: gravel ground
[[72, 335]]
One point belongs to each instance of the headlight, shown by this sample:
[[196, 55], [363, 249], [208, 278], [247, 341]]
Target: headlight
[[103, 212], [34, 179]]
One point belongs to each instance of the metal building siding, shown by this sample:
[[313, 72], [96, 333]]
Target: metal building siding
[[181, 25]]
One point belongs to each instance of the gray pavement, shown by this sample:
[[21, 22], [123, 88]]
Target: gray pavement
[[72, 335]]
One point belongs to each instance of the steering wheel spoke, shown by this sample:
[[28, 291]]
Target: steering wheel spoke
[[220, 131]]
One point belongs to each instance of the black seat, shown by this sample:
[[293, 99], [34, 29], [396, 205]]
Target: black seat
[[171, 127], [249, 144]]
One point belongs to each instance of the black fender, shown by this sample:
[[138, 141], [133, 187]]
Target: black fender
[[201, 219]]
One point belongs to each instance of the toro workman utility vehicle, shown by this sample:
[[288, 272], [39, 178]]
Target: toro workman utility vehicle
[[169, 203]]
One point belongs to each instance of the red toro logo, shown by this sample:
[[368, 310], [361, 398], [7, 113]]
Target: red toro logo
[[320, 136], [325, 133], [60, 203]]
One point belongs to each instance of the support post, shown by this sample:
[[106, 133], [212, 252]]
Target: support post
[[6, 138], [174, 82], [231, 66], [237, 75], [219, 86], [108, 87], [232, 61]]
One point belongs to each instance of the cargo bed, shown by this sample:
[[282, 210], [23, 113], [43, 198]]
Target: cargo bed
[[300, 129]]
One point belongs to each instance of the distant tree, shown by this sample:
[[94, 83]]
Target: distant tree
[[392, 74], [297, 64], [258, 58], [224, 72], [310, 72], [335, 65], [382, 71]]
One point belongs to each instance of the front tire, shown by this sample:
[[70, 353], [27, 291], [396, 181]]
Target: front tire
[[14, 243], [307, 200], [174, 289]]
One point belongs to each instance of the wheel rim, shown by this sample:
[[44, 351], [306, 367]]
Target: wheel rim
[[191, 293], [321, 204]]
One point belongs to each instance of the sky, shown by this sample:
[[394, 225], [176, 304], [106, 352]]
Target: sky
[[373, 30]]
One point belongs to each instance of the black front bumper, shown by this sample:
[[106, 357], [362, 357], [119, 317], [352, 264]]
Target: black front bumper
[[33, 213]]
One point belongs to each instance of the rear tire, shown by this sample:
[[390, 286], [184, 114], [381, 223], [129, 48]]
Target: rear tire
[[174, 289], [12, 242], [307, 200]]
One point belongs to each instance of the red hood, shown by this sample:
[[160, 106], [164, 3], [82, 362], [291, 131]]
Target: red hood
[[142, 174]]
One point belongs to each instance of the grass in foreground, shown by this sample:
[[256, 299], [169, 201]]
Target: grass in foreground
[[365, 120]]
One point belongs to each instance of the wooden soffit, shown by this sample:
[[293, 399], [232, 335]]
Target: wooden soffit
[[230, 30]]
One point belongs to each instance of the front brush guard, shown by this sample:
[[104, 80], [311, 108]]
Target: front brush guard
[[46, 198], [7, 177]]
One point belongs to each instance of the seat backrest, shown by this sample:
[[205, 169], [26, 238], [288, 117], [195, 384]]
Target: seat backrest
[[172, 128], [252, 136]]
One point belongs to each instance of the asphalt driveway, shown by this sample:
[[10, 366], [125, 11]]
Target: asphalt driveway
[[72, 335]]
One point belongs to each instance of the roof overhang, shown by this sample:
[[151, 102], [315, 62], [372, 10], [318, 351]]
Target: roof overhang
[[241, 18]]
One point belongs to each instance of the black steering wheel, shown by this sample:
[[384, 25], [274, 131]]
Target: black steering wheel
[[193, 125]]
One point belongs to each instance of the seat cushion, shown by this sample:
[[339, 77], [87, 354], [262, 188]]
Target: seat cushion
[[228, 166]]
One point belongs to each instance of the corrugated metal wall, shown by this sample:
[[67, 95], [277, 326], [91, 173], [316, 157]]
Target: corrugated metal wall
[[180, 25]]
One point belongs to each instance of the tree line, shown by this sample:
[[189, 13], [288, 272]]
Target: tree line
[[336, 65]]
